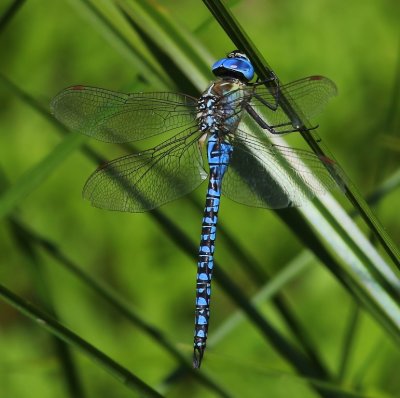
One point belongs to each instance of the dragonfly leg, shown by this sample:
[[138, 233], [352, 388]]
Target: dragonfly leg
[[272, 129], [274, 106], [293, 130], [257, 118], [259, 82], [264, 125]]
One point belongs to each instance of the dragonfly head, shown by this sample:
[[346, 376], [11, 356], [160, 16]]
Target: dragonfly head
[[236, 64]]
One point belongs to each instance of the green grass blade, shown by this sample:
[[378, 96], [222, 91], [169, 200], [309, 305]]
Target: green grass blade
[[188, 54], [11, 11], [62, 351], [270, 290], [388, 186], [107, 19], [119, 305], [47, 322], [348, 343], [33, 178]]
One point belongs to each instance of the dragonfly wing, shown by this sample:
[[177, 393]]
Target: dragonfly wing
[[309, 95], [144, 181], [271, 176], [116, 117]]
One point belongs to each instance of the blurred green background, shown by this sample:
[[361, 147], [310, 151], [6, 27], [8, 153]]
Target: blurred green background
[[47, 46]]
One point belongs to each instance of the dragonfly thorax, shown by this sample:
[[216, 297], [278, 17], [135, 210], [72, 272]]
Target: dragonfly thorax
[[219, 107]]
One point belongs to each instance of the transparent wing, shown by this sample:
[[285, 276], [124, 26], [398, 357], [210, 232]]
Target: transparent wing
[[272, 176], [116, 117], [310, 95], [146, 180]]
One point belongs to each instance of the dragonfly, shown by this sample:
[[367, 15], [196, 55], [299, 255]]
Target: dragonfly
[[242, 165]]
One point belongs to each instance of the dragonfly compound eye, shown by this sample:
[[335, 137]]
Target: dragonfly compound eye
[[237, 67]]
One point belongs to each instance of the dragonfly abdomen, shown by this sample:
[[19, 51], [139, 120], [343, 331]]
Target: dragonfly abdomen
[[218, 153]]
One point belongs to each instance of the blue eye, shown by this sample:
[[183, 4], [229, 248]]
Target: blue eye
[[240, 68], [218, 63]]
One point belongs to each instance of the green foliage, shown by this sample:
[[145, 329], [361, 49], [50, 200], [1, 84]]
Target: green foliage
[[123, 284]]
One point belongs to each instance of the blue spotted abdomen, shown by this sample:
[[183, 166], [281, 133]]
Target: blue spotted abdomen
[[218, 153]]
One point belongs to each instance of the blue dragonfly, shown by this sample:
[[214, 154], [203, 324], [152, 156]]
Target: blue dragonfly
[[243, 165]]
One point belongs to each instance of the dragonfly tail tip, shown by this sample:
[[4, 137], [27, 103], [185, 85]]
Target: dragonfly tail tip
[[197, 357]]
